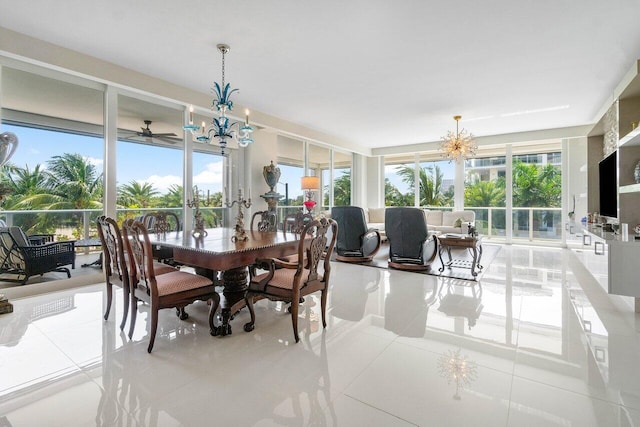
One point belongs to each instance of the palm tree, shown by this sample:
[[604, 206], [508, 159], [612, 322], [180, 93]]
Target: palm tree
[[21, 182], [485, 193], [393, 196], [72, 183], [173, 198], [430, 177], [136, 195], [535, 185]]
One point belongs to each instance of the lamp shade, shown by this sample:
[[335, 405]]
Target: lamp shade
[[310, 183]]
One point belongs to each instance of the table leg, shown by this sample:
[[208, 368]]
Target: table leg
[[440, 249], [232, 298], [480, 257], [96, 263], [474, 261]]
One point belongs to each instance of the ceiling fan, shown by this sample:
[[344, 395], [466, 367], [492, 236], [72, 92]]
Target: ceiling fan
[[147, 133]]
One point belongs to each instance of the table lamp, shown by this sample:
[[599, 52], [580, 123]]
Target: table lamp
[[310, 183]]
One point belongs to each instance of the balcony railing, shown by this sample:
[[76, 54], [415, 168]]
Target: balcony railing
[[528, 223], [81, 224]]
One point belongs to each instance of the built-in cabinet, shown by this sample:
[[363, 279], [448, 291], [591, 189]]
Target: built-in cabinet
[[613, 258]]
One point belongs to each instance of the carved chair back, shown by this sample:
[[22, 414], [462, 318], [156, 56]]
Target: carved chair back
[[266, 221], [295, 222]]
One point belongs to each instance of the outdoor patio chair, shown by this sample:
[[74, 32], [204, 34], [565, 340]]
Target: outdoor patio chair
[[19, 257]]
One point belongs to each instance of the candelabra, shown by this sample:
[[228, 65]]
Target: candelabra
[[198, 229], [240, 234]]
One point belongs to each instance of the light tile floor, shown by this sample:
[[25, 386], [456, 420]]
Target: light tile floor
[[538, 342]]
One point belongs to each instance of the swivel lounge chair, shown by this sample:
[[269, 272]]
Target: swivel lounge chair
[[410, 245], [355, 242]]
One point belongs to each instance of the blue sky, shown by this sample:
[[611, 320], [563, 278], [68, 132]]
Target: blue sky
[[136, 162]]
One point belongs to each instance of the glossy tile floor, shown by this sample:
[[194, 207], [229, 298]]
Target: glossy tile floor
[[538, 342]]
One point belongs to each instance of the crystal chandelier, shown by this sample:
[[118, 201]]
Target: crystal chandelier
[[221, 127], [459, 145]]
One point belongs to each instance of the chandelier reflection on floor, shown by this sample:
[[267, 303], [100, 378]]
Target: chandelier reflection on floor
[[459, 145], [457, 368], [221, 127]]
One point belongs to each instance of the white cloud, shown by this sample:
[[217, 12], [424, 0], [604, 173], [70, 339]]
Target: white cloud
[[211, 175], [162, 183], [94, 161]]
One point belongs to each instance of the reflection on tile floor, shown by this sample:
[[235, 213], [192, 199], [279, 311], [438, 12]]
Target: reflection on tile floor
[[536, 342]]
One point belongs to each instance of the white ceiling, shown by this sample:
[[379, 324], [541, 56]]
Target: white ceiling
[[377, 73]]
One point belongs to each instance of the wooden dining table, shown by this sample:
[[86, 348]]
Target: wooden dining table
[[215, 251]]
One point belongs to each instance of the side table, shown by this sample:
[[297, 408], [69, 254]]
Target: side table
[[85, 243], [474, 244]]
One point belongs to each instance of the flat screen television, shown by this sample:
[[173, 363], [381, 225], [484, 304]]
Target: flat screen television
[[609, 185]]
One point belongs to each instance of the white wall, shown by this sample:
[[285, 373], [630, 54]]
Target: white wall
[[576, 155], [260, 154]]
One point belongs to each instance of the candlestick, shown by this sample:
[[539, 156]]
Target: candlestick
[[240, 234], [190, 114], [246, 117], [198, 229]]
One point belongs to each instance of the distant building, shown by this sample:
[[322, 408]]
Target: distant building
[[491, 168]]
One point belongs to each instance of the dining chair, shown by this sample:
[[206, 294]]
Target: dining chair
[[266, 221], [288, 281], [160, 223], [295, 222], [114, 263], [175, 289]]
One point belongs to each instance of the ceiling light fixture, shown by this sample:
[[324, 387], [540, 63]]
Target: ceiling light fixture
[[221, 127], [459, 145]]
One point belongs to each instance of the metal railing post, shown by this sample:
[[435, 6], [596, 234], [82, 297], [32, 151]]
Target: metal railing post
[[489, 220], [85, 224], [530, 224]]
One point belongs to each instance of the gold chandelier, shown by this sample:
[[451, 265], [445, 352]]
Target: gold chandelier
[[459, 145]]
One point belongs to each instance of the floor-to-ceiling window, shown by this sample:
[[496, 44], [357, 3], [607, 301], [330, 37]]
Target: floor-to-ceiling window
[[436, 177], [148, 157], [537, 192], [56, 171], [484, 193], [319, 162], [341, 178], [291, 164], [398, 180]]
